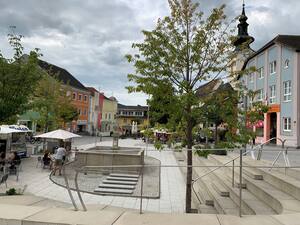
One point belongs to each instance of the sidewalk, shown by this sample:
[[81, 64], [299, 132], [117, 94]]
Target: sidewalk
[[28, 215]]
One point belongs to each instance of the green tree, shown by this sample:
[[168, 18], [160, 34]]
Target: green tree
[[18, 78], [185, 49], [53, 103], [219, 106], [163, 103]]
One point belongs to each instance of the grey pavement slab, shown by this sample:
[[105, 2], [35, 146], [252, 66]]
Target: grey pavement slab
[[68, 216], [288, 219], [18, 212], [247, 220], [20, 199], [130, 218]]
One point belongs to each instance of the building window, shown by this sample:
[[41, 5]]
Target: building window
[[84, 112], [85, 98], [260, 95], [261, 73], [272, 94], [109, 116], [251, 77], [74, 96], [79, 111], [287, 126], [79, 97], [273, 67], [287, 91], [106, 116], [286, 63]]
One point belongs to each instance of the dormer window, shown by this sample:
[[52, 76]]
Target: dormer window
[[286, 63]]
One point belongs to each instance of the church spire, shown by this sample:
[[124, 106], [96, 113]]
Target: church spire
[[243, 35]]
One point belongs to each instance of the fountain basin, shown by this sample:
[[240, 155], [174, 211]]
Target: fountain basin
[[108, 157]]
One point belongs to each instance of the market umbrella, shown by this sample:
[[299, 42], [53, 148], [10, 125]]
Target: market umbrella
[[58, 134], [8, 129]]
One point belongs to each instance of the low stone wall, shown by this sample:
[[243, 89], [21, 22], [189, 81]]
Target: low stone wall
[[110, 158]]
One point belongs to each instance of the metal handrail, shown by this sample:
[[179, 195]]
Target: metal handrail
[[240, 156], [245, 153], [260, 146], [85, 168]]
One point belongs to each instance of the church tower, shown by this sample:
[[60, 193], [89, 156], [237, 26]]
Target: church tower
[[243, 37]]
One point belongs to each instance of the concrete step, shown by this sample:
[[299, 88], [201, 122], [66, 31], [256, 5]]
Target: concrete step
[[119, 182], [122, 179], [282, 182], [200, 189], [250, 203], [247, 171], [206, 209], [113, 191], [279, 200], [292, 172], [117, 186], [202, 193], [123, 175], [223, 205], [220, 189]]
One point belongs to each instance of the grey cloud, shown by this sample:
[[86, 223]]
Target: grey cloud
[[90, 37]]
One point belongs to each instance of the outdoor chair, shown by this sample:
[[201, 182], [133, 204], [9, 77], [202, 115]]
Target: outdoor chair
[[39, 161], [4, 179]]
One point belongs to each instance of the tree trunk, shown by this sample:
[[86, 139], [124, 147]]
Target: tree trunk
[[189, 174]]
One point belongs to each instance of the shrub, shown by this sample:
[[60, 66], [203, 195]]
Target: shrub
[[11, 191]]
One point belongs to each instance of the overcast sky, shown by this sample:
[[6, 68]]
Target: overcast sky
[[89, 38]]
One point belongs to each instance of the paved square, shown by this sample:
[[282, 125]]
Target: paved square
[[172, 183]]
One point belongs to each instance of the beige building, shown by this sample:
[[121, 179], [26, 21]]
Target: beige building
[[108, 115], [128, 114]]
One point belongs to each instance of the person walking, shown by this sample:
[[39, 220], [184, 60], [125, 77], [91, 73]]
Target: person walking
[[58, 159]]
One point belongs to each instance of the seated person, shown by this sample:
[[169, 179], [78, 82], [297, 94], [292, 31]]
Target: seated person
[[2, 161], [2, 158], [46, 159], [14, 161]]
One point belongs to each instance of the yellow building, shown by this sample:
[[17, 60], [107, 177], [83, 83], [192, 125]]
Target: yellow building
[[108, 115], [128, 114]]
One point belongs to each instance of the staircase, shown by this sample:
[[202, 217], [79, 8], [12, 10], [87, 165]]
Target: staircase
[[118, 183], [264, 192]]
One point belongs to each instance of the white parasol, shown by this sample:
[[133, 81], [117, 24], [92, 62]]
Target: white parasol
[[58, 134], [8, 129]]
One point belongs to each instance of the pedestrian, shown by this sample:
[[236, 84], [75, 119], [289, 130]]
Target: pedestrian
[[58, 158]]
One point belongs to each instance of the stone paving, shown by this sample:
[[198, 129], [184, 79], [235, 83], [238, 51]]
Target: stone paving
[[172, 183]]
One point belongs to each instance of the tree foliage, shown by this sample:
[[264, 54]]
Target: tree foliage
[[185, 49], [52, 101], [18, 78]]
